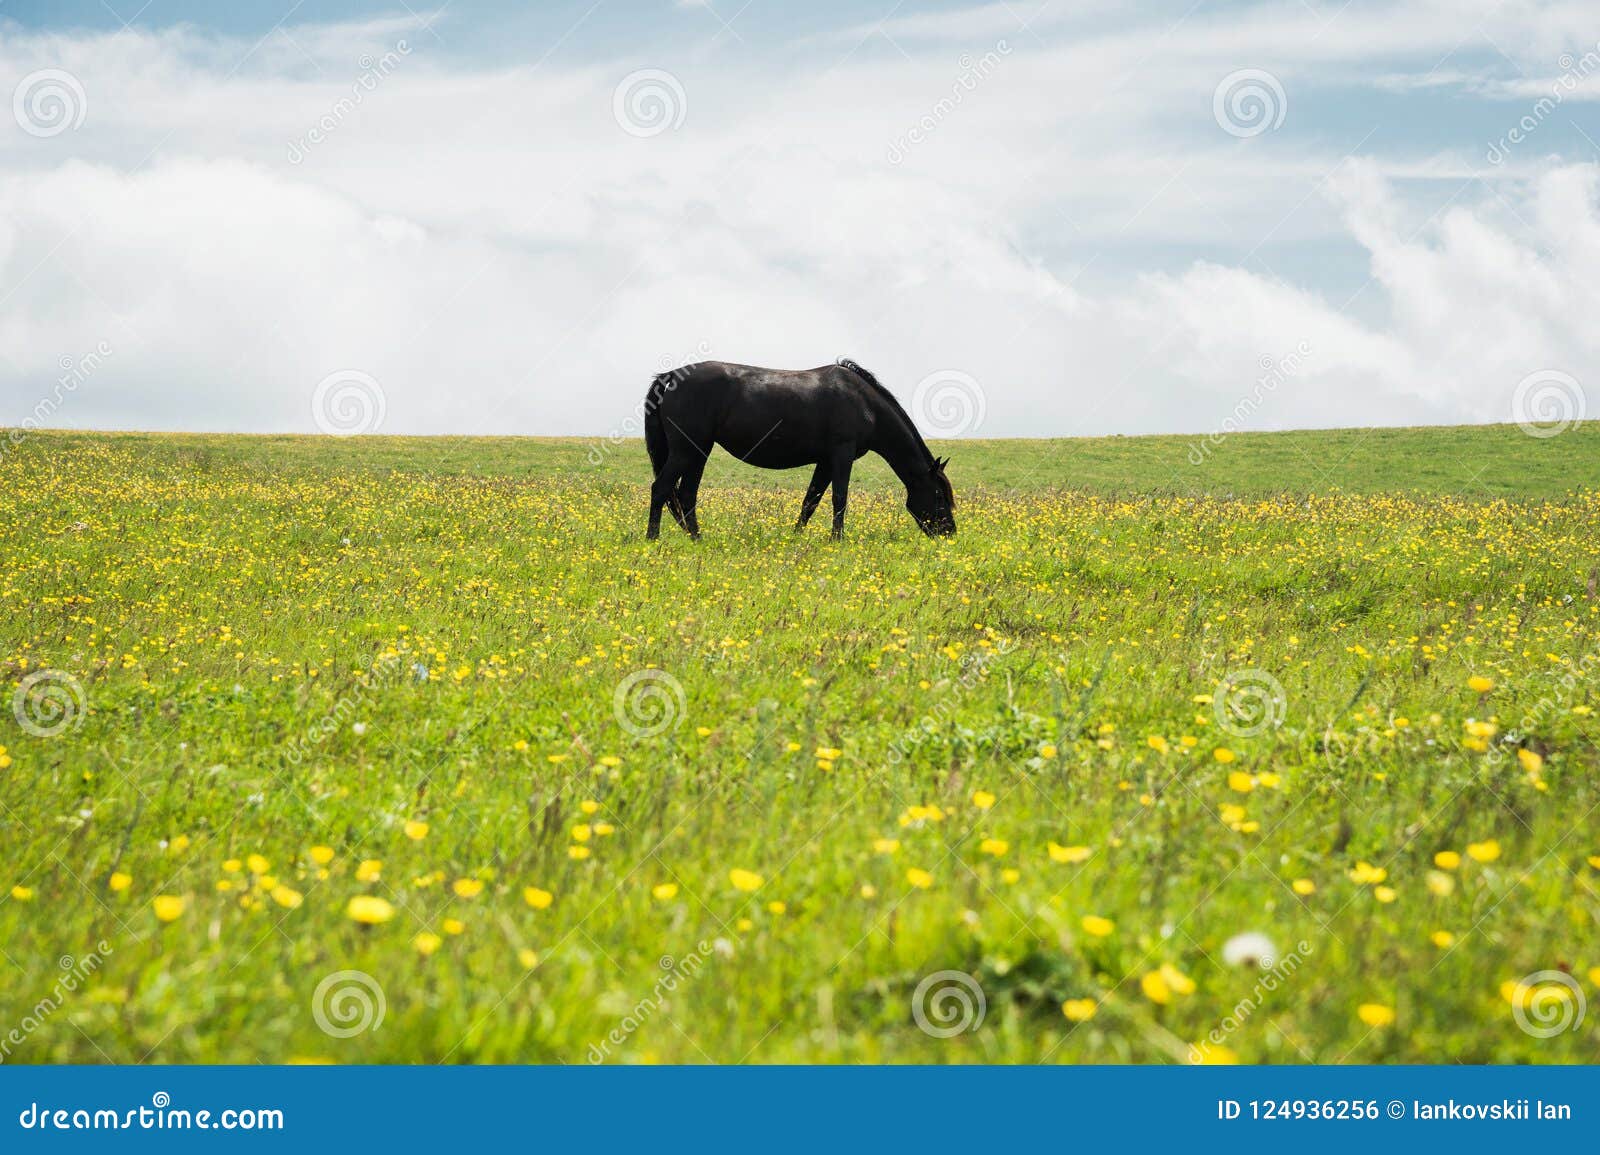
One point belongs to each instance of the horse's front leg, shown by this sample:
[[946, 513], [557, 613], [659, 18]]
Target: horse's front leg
[[843, 458], [814, 492]]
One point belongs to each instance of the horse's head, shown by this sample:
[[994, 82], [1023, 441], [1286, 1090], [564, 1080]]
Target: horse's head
[[932, 501]]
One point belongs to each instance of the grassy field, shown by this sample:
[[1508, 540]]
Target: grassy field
[[403, 750]]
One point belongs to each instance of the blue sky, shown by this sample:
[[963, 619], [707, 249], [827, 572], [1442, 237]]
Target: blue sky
[[1039, 210]]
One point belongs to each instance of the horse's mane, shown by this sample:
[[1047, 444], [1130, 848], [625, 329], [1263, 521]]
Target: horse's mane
[[891, 399]]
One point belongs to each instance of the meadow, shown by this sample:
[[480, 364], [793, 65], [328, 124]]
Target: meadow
[[1278, 749]]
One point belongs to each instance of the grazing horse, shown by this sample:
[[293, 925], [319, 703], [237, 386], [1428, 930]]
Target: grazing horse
[[782, 419]]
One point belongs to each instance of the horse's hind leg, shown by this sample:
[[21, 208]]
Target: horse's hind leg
[[688, 496], [819, 485], [662, 490]]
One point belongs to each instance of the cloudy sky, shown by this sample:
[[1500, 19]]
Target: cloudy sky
[[1028, 218]]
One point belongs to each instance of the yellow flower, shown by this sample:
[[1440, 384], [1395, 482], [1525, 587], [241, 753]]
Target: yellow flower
[[745, 880], [232, 865], [452, 926], [528, 958], [1010, 875], [119, 881], [1079, 1010], [369, 909], [994, 846], [1441, 884], [604, 829], [322, 855], [578, 853], [868, 890], [982, 799], [1365, 874], [426, 943], [1486, 851], [1240, 782], [1447, 860], [467, 887], [415, 830], [1223, 754], [1530, 761], [1209, 1054], [1179, 982], [885, 845], [1479, 684], [370, 870], [1157, 743], [580, 833], [22, 893], [1375, 1014], [287, 897], [1070, 854], [1303, 887], [536, 898], [1048, 750], [1155, 988], [168, 906], [776, 907], [1097, 926], [1442, 939], [664, 891], [589, 806], [920, 879], [1384, 894], [257, 864]]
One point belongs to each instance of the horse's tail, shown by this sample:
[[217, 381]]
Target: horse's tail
[[655, 435]]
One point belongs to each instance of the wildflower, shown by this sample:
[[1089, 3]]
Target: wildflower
[[1385, 894], [1486, 851], [745, 880], [776, 907], [168, 906], [1249, 949], [1303, 887], [982, 799], [589, 806], [581, 832], [287, 897], [1070, 854], [257, 864], [1375, 1014], [1010, 875], [22, 893], [664, 891], [578, 852], [1079, 1010], [1365, 874], [527, 958], [1442, 939], [536, 898], [1479, 684], [1223, 754], [370, 870], [369, 909], [1047, 751], [1155, 988], [1097, 926], [920, 879], [426, 942], [416, 831], [452, 926], [1447, 860], [1530, 761], [885, 845], [1157, 743], [119, 881], [1209, 1054], [1441, 884], [994, 846], [322, 855], [1240, 782], [467, 887]]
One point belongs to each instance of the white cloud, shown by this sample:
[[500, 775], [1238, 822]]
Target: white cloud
[[496, 252]]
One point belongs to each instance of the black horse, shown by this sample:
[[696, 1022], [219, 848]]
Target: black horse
[[783, 419]]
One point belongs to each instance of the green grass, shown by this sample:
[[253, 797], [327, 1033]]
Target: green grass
[[283, 643]]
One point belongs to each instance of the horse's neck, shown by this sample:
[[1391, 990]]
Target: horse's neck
[[901, 446]]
